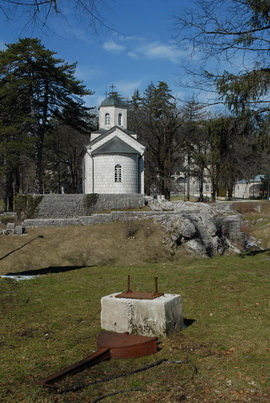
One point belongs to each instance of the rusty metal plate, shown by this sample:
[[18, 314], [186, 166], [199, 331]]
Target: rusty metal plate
[[124, 345], [138, 295], [109, 345]]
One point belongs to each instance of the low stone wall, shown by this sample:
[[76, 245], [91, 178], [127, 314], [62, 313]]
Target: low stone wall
[[58, 206], [93, 219], [198, 228]]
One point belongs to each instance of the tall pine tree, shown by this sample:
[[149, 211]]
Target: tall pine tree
[[39, 87]]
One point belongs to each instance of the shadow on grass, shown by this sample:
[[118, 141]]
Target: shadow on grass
[[47, 270], [188, 322], [254, 253], [20, 247]]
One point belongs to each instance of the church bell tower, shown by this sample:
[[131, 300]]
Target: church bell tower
[[113, 112]]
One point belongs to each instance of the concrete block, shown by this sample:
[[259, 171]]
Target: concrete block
[[19, 229], [162, 316]]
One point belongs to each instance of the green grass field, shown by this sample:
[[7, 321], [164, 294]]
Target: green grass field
[[52, 321]]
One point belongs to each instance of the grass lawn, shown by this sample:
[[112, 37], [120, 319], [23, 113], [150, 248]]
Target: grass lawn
[[52, 321]]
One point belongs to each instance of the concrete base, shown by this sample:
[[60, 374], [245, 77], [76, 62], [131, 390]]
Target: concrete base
[[161, 316]]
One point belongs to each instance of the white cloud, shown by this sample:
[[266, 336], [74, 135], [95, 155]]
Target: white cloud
[[133, 55], [113, 47], [157, 50], [80, 35], [126, 88], [86, 73], [138, 47]]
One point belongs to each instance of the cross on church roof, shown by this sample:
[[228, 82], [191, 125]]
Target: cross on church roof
[[112, 92]]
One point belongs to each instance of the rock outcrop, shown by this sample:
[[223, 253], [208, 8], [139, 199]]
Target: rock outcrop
[[202, 229], [198, 228]]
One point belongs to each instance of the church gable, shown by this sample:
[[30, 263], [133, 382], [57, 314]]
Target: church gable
[[124, 140], [115, 146]]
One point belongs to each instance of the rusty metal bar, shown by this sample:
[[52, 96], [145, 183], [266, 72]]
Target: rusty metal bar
[[93, 359], [129, 291], [156, 293], [109, 345]]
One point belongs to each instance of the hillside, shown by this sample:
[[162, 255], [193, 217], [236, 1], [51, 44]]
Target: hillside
[[117, 243]]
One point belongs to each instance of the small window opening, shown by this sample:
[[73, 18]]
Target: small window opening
[[107, 119], [120, 119], [117, 173]]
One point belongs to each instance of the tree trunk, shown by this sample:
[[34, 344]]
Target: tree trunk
[[201, 178], [39, 165], [8, 192], [230, 192], [188, 177], [214, 192]]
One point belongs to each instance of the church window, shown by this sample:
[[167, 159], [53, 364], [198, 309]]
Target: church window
[[117, 173], [120, 119], [107, 119]]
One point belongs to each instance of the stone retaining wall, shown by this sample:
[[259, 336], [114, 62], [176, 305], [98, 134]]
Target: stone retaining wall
[[93, 219], [198, 228], [55, 206]]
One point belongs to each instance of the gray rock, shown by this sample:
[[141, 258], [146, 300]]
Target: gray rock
[[195, 246], [201, 230]]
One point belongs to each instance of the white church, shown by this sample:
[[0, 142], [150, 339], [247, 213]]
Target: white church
[[114, 160]]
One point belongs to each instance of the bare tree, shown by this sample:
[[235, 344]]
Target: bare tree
[[39, 12], [236, 34]]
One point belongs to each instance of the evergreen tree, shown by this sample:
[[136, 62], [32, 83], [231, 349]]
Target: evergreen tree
[[233, 153], [65, 146], [161, 123], [194, 143], [135, 122], [39, 87]]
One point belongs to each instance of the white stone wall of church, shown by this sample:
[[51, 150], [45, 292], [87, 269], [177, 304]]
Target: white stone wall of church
[[104, 174], [87, 174], [113, 112], [141, 168]]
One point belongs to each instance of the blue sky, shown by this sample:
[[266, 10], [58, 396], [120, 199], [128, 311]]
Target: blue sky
[[139, 51]]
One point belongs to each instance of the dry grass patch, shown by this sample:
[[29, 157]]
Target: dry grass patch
[[97, 245], [53, 321], [256, 216]]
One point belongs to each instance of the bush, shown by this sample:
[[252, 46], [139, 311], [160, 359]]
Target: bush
[[131, 226], [89, 202], [26, 205]]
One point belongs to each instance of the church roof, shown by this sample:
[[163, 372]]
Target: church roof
[[115, 146], [113, 100], [105, 133], [257, 178]]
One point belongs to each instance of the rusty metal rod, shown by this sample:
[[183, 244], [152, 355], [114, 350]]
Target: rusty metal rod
[[93, 359], [156, 285], [129, 291]]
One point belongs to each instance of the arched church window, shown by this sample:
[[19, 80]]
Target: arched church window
[[107, 118], [117, 173], [120, 119]]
